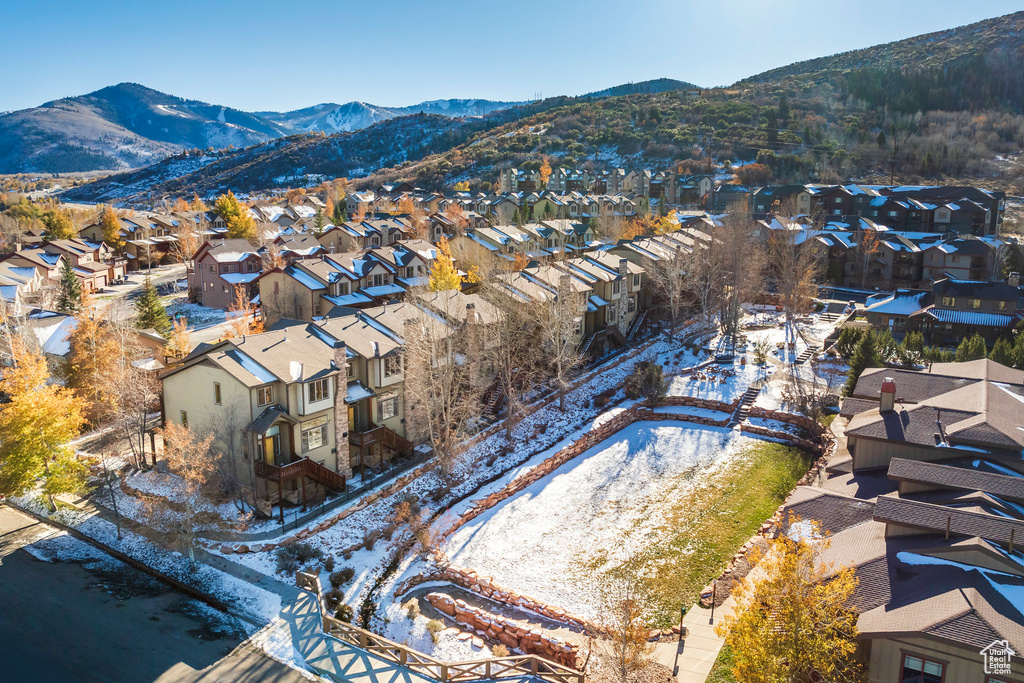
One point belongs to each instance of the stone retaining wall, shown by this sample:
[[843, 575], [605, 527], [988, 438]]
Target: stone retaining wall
[[513, 635], [485, 586]]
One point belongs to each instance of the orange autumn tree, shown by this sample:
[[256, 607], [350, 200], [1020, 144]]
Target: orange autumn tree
[[545, 173]]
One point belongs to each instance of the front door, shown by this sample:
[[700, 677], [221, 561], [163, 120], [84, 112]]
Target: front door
[[353, 417], [272, 446]]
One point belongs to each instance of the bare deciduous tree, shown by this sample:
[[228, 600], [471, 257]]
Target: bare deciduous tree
[[512, 351], [794, 270], [558, 320], [670, 280], [190, 460], [440, 355]]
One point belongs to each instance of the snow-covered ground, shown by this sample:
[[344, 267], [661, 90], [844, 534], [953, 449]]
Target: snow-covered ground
[[197, 316], [548, 540]]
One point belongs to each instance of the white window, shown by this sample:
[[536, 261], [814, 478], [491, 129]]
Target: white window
[[387, 406], [974, 303], [264, 396], [631, 306], [392, 366], [314, 433], [1000, 305], [948, 301], [837, 200], [609, 314], [636, 281], [616, 286], [894, 214], [318, 390], [577, 327]]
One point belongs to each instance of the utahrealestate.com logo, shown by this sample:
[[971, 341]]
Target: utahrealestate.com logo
[[997, 658]]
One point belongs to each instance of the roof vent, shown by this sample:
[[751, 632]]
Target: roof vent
[[887, 396]]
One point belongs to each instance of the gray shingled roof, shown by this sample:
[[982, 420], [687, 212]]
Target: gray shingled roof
[[927, 516]]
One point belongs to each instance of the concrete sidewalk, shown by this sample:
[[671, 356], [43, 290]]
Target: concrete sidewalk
[[692, 658]]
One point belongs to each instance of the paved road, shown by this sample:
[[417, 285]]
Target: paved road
[[103, 621]]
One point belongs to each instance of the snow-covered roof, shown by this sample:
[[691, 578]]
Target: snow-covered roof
[[971, 318], [239, 278]]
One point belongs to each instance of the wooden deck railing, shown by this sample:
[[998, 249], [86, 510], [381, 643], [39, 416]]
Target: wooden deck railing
[[381, 434], [302, 467], [445, 672]]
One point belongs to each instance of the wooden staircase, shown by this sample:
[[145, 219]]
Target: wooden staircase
[[634, 327], [303, 467], [375, 434]]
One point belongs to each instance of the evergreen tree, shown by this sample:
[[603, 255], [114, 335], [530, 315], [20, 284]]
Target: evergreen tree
[[318, 222], [150, 313], [1002, 352], [864, 356], [971, 348], [70, 297], [339, 216]]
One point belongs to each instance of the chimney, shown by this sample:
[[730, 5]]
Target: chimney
[[623, 268], [1014, 279], [342, 462], [887, 397]]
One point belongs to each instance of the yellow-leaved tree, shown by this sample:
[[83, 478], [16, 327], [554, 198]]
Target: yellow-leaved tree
[[111, 226], [443, 273], [35, 428], [794, 620], [236, 215], [92, 351]]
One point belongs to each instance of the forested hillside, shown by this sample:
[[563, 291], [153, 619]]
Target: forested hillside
[[945, 107]]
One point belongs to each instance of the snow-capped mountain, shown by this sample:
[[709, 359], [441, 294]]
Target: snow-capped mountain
[[337, 118]]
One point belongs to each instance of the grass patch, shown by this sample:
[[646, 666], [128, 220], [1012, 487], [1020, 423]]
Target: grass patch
[[708, 521], [826, 420], [721, 672]]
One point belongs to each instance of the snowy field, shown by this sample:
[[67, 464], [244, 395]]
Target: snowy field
[[548, 540]]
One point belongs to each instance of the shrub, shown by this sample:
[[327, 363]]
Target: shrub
[[500, 650], [333, 598], [370, 539], [329, 563], [412, 608], [344, 613], [647, 381], [291, 557], [388, 532], [342, 576], [434, 627]]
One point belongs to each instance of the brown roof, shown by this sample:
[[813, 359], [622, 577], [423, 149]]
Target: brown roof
[[946, 476]]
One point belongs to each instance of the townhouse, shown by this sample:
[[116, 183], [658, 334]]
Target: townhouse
[[218, 267], [951, 311], [930, 209], [310, 288], [299, 409]]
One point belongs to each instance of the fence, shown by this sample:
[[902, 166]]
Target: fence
[[445, 672], [300, 518]]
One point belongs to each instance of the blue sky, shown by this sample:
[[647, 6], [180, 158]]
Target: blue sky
[[261, 54]]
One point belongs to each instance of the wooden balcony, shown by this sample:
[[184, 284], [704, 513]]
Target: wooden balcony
[[304, 467]]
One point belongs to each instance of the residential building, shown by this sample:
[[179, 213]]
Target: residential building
[[218, 267]]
